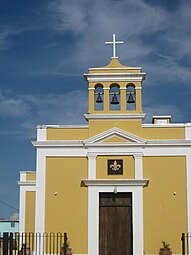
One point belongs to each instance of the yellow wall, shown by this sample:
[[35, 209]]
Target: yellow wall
[[131, 126], [114, 63], [30, 211], [135, 127], [67, 133], [31, 176], [165, 216], [66, 200], [98, 126], [163, 133], [128, 167], [115, 139]]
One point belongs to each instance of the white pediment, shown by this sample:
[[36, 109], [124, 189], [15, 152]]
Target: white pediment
[[116, 135]]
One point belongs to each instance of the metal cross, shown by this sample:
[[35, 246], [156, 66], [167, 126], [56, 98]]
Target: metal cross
[[114, 42]]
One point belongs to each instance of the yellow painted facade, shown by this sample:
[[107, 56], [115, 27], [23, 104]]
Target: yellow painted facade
[[66, 199], [99, 126], [67, 133], [73, 172], [30, 212], [31, 176], [165, 202]]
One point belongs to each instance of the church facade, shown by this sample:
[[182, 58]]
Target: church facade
[[114, 184]]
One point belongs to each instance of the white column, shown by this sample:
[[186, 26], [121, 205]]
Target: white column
[[138, 166], [41, 133], [91, 166], [138, 238], [40, 191], [93, 221], [22, 203], [188, 131], [188, 177]]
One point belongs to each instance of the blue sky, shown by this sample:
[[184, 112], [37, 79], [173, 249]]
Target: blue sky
[[47, 45]]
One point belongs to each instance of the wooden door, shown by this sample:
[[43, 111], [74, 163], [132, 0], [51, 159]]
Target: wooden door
[[115, 224]]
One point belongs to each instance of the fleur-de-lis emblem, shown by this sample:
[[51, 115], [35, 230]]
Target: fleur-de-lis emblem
[[115, 166]]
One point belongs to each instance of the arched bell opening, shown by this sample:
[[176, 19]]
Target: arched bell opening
[[98, 97], [114, 97], [131, 97]]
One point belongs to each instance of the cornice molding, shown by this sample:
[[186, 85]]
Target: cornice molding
[[58, 143], [26, 183], [116, 68], [168, 125], [114, 116], [115, 77], [117, 182], [61, 126], [83, 145]]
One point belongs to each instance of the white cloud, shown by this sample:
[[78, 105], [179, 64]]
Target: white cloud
[[32, 110], [62, 109], [11, 106], [15, 216], [6, 32], [69, 15], [132, 21]]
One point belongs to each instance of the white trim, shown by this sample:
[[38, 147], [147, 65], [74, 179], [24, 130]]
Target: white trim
[[27, 183], [157, 143], [40, 191], [73, 146], [188, 180], [91, 166], [138, 166], [22, 205], [62, 126], [168, 125], [114, 131], [115, 68], [115, 182], [58, 143], [41, 133], [95, 77], [188, 131], [23, 175], [161, 116], [114, 116], [93, 216]]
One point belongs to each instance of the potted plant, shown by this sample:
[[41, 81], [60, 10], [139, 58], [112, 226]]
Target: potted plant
[[165, 250], [68, 249]]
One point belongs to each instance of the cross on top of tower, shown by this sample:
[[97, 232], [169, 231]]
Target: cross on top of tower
[[114, 42]]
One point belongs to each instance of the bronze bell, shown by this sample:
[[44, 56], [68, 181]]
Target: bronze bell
[[114, 99], [131, 100], [99, 99]]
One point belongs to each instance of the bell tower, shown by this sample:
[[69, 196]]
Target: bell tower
[[115, 90]]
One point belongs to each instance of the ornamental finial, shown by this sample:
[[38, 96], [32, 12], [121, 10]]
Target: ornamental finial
[[114, 42]]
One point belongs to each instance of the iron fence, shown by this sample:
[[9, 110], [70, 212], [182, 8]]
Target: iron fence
[[186, 243], [33, 243]]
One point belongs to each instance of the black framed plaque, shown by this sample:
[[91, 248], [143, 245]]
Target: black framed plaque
[[114, 166]]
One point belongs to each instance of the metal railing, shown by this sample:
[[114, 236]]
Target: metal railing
[[33, 243], [186, 243]]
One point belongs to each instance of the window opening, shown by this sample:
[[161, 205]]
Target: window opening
[[98, 97], [114, 95], [130, 97]]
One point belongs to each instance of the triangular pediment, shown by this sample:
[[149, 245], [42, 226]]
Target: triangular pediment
[[114, 135], [115, 139]]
